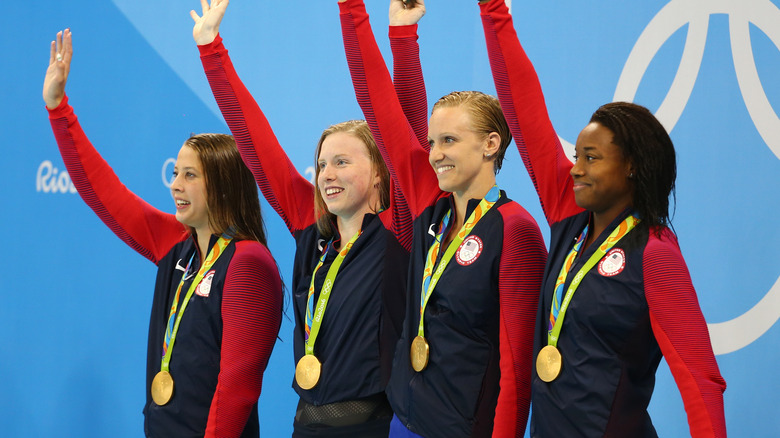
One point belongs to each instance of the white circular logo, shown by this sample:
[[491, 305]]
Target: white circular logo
[[613, 263], [469, 251], [204, 288]]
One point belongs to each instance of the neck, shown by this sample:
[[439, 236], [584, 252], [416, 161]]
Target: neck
[[602, 220], [477, 190], [349, 226], [203, 237]]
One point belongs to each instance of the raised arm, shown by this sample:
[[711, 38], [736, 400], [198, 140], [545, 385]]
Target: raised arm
[[520, 279], [407, 71], [251, 315], [288, 192], [523, 104], [147, 230], [681, 332], [406, 159]]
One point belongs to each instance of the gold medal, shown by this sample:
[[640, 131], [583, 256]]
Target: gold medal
[[162, 388], [419, 353], [548, 363], [307, 372]]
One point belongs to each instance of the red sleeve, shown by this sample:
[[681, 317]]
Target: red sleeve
[[144, 228], [522, 101], [520, 280], [408, 79], [251, 316], [681, 332], [289, 193], [406, 159]]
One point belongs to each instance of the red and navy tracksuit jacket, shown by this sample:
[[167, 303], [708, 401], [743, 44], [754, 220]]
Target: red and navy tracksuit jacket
[[363, 320], [231, 322], [620, 320], [479, 319]]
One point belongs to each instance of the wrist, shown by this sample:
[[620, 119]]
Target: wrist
[[206, 38], [56, 110], [210, 46]]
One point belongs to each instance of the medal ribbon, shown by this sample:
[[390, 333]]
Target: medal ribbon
[[175, 317], [559, 282], [314, 319], [431, 277], [556, 321]]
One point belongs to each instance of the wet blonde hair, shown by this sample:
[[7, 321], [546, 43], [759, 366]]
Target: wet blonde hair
[[486, 117]]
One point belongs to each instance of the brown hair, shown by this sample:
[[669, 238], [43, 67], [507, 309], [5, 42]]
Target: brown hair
[[359, 129], [231, 192], [486, 117]]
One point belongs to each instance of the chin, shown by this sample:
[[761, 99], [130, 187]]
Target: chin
[[582, 203], [444, 186]]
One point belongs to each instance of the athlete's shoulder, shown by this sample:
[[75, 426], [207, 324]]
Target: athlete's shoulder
[[250, 252], [514, 215]]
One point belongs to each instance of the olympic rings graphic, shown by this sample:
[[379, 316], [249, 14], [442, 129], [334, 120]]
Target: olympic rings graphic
[[167, 175], [737, 333]]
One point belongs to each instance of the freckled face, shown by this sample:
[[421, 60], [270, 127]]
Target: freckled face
[[189, 190], [601, 172], [347, 181], [457, 152]]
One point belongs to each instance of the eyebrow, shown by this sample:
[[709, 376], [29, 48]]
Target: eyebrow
[[335, 157], [442, 135]]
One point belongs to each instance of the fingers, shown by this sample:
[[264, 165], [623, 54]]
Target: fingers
[[204, 5], [60, 53], [58, 48], [67, 47], [62, 48], [194, 15]]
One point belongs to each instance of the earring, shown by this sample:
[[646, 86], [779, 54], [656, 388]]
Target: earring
[[488, 155], [631, 175]]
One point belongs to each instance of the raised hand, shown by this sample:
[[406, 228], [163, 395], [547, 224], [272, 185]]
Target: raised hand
[[404, 13], [59, 66], [207, 26]]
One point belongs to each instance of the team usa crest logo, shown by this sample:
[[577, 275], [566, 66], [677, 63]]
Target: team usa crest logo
[[469, 251], [204, 288], [613, 263]]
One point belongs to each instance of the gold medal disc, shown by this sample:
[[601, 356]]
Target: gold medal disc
[[548, 363], [162, 388], [419, 353], [307, 372]]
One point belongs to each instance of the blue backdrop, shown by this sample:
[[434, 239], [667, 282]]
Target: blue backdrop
[[76, 300]]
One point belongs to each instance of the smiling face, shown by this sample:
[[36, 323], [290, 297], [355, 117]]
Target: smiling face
[[458, 153], [347, 181], [601, 173], [189, 190]]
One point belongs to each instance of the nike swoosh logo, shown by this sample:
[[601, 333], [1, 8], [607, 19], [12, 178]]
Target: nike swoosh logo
[[179, 267], [319, 244], [430, 230]]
